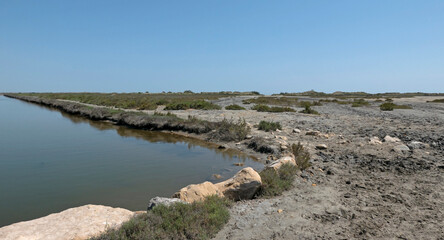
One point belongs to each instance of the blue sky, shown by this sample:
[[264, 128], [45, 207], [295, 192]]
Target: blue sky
[[268, 46]]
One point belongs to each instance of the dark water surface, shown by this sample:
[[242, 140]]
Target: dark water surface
[[51, 161]]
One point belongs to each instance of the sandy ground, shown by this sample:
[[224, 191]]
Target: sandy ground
[[354, 189]]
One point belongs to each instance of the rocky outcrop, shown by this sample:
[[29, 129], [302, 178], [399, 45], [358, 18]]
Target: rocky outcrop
[[74, 223], [157, 201], [242, 186]]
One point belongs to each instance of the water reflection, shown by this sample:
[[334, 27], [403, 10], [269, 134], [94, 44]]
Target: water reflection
[[51, 161]]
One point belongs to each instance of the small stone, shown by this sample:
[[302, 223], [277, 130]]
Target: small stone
[[280, 210], [217, 176], [417, 145], [295, 130], [314, 184], [375, 141], [249, 137], [163, 201], [391, 139], [283, 147], [238, 164], [282, 137], [278, 130], [312, 133], [401, 148], [321, 146]]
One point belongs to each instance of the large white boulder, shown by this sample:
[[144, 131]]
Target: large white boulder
[[197, 192], [243, 185], [74, 223]]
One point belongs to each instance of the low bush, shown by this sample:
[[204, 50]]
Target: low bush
[[389, 106], [197, 104], [265, 108], [359, 103], [269, 126], [282, 101], [437, 101], [234, 107], [301, 155], [308, 103], [199, 220], [274, 183], [229, 130], [308, 110]]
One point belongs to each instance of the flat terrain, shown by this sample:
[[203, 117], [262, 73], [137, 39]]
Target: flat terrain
[[361, 190], [356, 187]]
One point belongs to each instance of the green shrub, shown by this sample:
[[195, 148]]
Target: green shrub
[[308, 110], [228, 130], [274, 183], [198, 220], [234, 107], [282, 101], [265, 108], [196, 104], [359, 103], [308, 103], [389, 106], [269, 126], [437, 100], [301, 155]]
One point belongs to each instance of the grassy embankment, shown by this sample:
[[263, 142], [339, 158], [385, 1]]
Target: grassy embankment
[[226, 130], [144, 101]]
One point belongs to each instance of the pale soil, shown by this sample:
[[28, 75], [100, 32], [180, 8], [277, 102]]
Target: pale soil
[[74, 223]]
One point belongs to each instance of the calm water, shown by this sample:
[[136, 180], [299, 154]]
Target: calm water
[[50, 161]]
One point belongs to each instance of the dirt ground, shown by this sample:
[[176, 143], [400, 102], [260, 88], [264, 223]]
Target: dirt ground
[[354, 189]]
